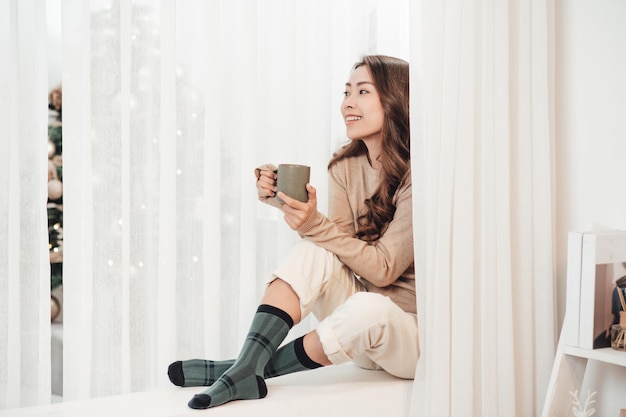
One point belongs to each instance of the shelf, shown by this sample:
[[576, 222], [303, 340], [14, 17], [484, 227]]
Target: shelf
[[607, 355]]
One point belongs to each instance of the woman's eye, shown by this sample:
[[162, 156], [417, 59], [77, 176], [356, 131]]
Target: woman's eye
[[346, 93], [363, 91]]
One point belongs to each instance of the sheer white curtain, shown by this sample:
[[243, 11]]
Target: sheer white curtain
[[168, 107], [483, 160], [24, 259]]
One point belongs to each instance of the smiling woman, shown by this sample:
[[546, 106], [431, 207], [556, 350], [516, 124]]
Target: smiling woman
[[353, 267]]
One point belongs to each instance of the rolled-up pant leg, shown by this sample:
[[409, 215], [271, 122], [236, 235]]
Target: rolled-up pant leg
[[367, 328], [373, 331], [318, 277]]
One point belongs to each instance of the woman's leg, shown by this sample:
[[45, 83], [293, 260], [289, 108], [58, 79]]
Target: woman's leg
[[244, 379], [280, 294], [301, 354], [374, 332], [319, 279], [303, 281], [201, 372], [314, 349]]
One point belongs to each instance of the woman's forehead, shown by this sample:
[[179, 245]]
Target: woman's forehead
[[359, 76]]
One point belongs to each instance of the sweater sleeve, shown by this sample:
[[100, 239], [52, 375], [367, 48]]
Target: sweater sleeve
[[381, 262]]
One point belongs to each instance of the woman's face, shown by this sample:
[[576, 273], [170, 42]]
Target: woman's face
[[361, 108]]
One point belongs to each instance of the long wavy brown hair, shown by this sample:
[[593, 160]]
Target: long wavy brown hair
[[391, 79]]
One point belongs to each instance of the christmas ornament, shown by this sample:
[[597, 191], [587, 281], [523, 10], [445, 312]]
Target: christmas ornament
[[57, 160], [55, 308], [55, 189], [52, 171], [51, 149]]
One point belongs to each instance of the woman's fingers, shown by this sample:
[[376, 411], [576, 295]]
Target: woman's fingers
[[267, 181], [296, 213]]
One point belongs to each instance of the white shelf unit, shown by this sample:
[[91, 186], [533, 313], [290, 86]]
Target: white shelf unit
[[568, 373], [606, 355], [586, 252]]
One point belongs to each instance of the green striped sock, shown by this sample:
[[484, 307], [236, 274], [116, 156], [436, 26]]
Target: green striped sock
[[244, 380], [201, 372], [197, 372], [289, 359]]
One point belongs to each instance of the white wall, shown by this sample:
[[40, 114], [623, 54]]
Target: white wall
[[590, 119], [591, 143]]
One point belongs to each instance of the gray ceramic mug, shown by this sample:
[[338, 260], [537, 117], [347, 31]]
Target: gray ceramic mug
[[292, 180]]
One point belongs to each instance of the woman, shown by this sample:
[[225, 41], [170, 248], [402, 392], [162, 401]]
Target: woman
[[352, 269]]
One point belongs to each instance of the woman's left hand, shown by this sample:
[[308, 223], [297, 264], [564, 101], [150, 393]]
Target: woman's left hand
[[296, 212]]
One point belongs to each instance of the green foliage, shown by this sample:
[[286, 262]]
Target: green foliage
[[56, 136], [56, 275]]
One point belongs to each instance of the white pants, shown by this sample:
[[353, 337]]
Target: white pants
[[367, 328]]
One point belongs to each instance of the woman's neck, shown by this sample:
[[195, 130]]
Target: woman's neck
[[373, 153]]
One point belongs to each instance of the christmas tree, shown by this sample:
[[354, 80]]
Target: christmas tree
[[55, 187]]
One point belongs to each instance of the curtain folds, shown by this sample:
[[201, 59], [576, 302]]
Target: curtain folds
[[483, 160], [24, 259], [169, 107]]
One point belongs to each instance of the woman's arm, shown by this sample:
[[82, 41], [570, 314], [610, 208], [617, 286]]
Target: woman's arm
[[382, 262]]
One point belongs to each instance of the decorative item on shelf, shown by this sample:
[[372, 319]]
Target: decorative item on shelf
[[618, 331], [578, 409]]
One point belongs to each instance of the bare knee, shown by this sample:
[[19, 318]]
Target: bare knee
[[281, 295]]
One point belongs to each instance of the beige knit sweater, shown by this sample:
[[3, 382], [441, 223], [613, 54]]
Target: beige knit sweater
[[386, 266]]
